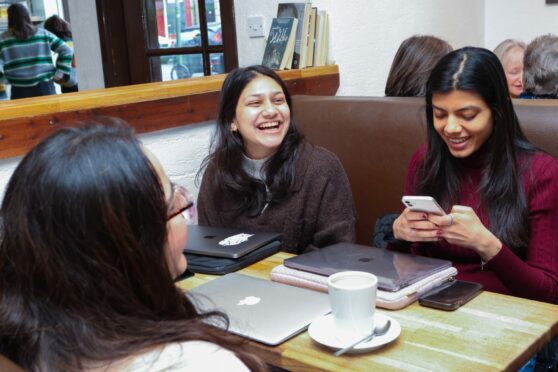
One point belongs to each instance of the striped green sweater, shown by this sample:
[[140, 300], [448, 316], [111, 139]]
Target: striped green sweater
[[25, 63]]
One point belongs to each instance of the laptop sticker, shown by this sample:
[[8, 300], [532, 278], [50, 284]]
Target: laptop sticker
[[235, 239]]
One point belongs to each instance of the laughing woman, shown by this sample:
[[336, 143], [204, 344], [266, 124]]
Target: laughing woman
[[501, 191], [262, 175]]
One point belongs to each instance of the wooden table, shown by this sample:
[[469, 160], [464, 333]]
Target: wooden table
[[492, 332]]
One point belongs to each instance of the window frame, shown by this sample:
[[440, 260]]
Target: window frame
[[131, 18]]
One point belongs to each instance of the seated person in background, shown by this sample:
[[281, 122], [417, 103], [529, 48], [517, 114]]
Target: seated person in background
[[61, 28], [501, 191], [510, 53], [540, 70], [93, 238], [413, 62], [26, 59], [262, 175]]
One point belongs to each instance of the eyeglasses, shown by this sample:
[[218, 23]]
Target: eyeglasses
[[181, 204]]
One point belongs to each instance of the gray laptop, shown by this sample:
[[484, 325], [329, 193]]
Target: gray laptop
[[259, 309], [225, 242], [394, 270]]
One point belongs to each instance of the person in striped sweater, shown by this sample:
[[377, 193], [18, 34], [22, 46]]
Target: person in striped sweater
[[26, 56]]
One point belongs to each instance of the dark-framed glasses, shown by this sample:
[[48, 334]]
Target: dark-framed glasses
[[181, 203]]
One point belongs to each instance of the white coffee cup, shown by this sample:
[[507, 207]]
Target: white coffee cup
[[353, 300]]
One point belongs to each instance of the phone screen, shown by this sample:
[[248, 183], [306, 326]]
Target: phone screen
[[451, 295]]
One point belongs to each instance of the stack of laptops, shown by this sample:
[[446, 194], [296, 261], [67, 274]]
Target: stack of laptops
[[394, 270], [402, 277], [219, 250]]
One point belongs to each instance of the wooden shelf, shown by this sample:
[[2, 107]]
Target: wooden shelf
[[147, 107]]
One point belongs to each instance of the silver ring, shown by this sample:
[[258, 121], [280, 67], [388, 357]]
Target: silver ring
[[451, 219]]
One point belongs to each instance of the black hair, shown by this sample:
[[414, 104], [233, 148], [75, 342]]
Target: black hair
[[479, 71], [228, 148], [58, 27], [19, 21], [84, 279]]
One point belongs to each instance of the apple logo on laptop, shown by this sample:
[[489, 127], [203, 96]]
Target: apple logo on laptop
[[249, 301]]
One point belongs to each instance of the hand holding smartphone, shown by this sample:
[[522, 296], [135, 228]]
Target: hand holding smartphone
[[425, 204], [451, 295]]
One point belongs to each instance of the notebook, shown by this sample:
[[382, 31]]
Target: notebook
[[262, 310], [394, 270], [225, 242]]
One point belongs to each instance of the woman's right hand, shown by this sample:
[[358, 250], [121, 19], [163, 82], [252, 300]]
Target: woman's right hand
[[414, 227]]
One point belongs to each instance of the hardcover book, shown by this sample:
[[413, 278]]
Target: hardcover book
[[280, 43], [300, 11]]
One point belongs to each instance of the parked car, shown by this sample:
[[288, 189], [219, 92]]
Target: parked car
[[191, 36]]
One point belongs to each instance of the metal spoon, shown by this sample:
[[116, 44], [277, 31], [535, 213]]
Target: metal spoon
[[379, 330]]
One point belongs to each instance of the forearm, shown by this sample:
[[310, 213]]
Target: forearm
[[525, 279]]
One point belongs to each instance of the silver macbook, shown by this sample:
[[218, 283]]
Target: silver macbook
[[394, 270], [225, 242], [259, 309]]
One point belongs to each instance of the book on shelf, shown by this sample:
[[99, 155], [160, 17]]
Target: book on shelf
[[301, 11], [311, 37], [322, 38], [279, 49]]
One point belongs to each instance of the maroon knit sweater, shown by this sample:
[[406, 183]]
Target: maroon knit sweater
[[536, 277]]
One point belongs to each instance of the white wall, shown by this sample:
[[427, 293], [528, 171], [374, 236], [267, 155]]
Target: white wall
[[366, 34], [180, 150], [518, 19], [87, 45]]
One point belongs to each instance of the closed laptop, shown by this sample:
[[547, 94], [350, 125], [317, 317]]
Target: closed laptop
[[259, 309], [226, 242], [394, 270]]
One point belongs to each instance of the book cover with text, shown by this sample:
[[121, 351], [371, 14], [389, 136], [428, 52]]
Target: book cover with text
[[277, 52], [300, 11]]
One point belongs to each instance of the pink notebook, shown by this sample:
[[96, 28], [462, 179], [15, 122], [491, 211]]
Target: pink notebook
[[384, 299]]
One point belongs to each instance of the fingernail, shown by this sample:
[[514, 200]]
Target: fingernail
[[425, 216], [439, 232]]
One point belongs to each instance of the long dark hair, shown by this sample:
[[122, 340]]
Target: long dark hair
[[479, 70], [412, 64], [59, 27], [228, 147], [83, 275], [19, 21]]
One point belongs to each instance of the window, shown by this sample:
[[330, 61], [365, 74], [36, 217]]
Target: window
[[181, 39]]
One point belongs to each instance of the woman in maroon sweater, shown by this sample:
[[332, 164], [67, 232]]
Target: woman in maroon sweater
[[501, 191]]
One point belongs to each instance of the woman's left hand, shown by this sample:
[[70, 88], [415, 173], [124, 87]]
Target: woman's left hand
[[464, 228]]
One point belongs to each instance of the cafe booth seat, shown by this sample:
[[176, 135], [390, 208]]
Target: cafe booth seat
[[375, 137]]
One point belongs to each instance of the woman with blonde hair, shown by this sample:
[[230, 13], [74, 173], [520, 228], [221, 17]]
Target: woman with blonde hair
[[510, 52]]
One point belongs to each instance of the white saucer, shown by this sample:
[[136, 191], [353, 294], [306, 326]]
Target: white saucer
[[322, 331]]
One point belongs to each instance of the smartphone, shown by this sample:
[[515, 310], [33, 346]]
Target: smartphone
[[451, 295], [422, 204]]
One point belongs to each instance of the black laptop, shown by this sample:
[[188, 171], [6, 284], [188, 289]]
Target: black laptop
[[394, 270], [226, 242]]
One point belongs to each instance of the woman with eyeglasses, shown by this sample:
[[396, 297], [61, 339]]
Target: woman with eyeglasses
[[93, 233], [263, 176]]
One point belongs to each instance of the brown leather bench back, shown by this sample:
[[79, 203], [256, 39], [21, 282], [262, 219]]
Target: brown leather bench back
[[374, 137]]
